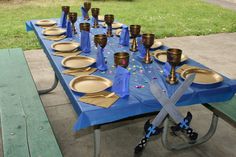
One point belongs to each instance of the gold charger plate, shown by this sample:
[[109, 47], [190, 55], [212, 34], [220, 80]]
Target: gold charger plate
[[203, 76], [66, 46], [45, 22], [118, 32], [76, 62], [161, 56], [90, 84], [115, 25], [54, 31], [156, 44], [100, 18]]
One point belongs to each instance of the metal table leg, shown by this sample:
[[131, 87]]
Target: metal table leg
[[45, 91], [201, 140], [97, 141]]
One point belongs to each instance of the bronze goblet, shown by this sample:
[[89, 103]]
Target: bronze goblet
[[84, 27], [134, 31], [121, 59], [173, 58], [87, 6], [148, 40], [109, 19], [100, 39], [95, 13], [66, 9], [73, 19]]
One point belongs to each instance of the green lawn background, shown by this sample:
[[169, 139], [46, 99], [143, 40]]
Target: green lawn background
[[165, 18]]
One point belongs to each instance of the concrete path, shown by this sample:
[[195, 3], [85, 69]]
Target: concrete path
[[118, 140], [229, 4]]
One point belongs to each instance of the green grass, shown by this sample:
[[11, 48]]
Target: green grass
[[165, 18]]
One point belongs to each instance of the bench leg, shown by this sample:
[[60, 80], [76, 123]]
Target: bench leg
[[45, 91], [201, 140], [97, 141]]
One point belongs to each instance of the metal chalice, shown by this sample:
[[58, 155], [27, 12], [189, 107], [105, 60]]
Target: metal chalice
[[173, 58], [73, 19], [109, 19], [87, 6], [95, 13], [66, 9], [148, 40], [84, 27], [100, 39], [134, 31]]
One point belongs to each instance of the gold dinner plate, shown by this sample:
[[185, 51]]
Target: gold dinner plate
[[45, 22], [115, 25], [66, 46], [161, 56], [203, 76], [76, 62], [156, 44], [100, 18], [90, 84], [54, 31], [118, 32]]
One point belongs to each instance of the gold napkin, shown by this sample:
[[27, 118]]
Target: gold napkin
[[79, 72], [184, 67], [66, 54], [55, 38], [100, 101]]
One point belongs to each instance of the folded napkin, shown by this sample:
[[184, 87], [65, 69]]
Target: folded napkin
[[124, 36], [166, 69], [100, 101], [66, 54], [141, 48], [84, 12], [79, 72], [100, 60], [184, 67], [63, 19], [69, 33], [85, 42], [121, 82]]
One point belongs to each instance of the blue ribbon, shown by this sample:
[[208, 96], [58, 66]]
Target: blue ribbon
[[85, 42], [124, 36], [100, 60], [84, 12], [63, 20], [121, 82], [69, 30], [141, 48]]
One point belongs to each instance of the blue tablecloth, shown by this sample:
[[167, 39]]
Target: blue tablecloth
[[141, 100]]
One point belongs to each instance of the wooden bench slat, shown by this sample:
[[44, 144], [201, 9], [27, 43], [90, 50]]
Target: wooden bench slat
[[225, 110], [22, 113]]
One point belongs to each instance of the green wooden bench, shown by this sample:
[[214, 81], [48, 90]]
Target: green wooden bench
[[26, 131]]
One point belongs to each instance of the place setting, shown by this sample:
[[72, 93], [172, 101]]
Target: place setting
[[66, 48], [173, 59]]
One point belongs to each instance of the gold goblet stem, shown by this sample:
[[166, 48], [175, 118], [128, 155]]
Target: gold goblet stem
[[95, 22], [109, 31], [134, 45], [171, 79], [147, 58]]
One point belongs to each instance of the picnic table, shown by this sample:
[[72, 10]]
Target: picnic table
[[140, 101]]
